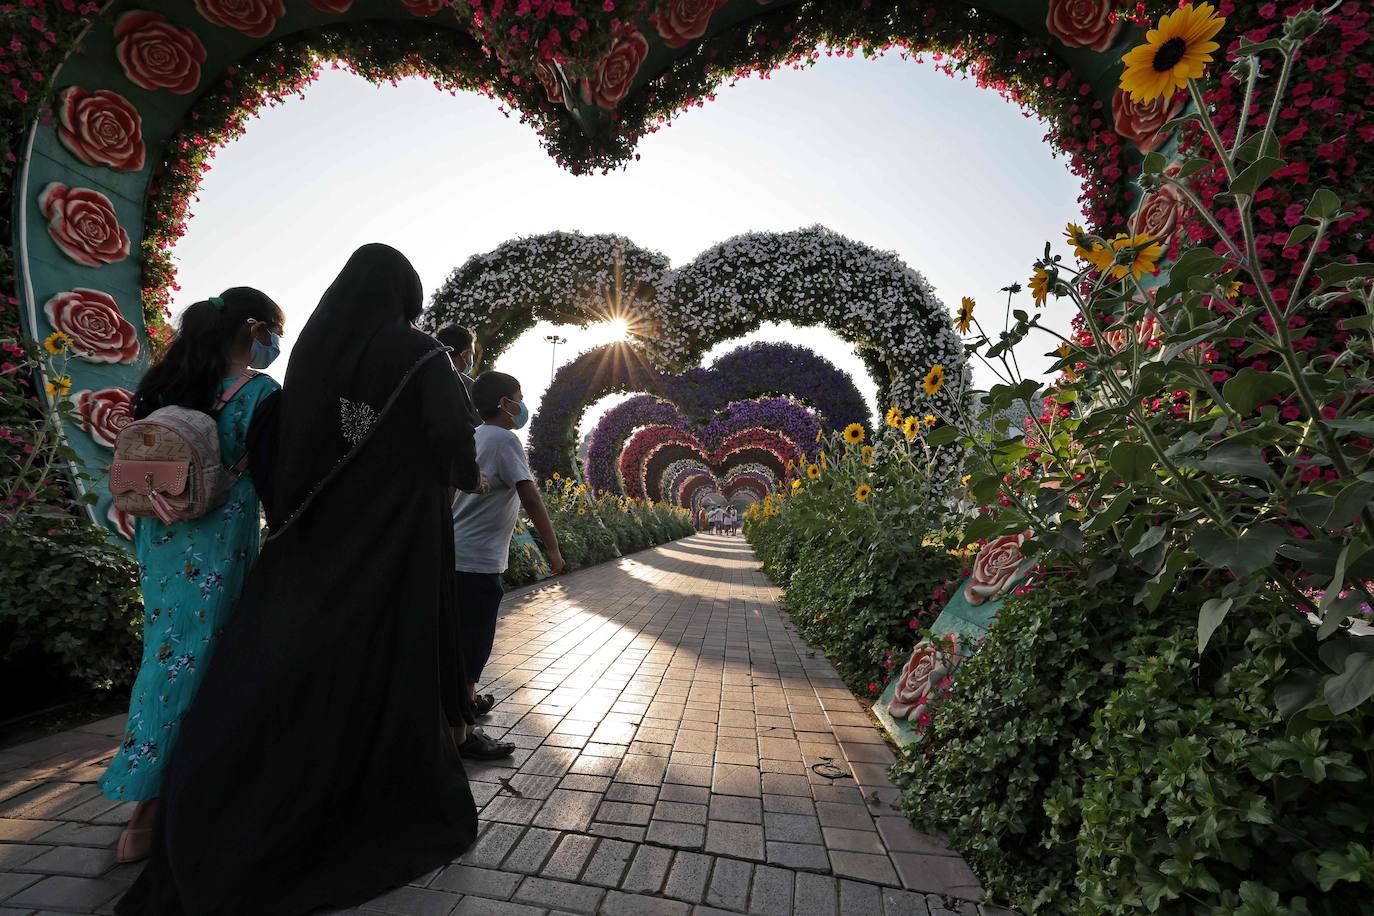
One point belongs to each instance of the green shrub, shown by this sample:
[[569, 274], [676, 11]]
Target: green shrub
[[1199, 799], [68, 592], [1002, 743]]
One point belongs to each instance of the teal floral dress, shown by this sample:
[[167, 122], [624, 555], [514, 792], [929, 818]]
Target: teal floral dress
[[191, 573]]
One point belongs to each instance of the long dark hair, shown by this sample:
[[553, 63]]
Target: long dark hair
[[189, 372]]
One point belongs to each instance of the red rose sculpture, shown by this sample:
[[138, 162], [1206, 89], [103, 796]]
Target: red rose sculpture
[[1083, 23], [91, 318], [681, 22], [156, 54], [332, 6], [254, 18], [544, 70], [1142, 122], [83, 224], [100, 128], [105, 413], [615, 73], [123, 523], [995, 568], [931, 662], [424, 7]]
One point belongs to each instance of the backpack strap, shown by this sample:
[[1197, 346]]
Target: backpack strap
[[224, 399]]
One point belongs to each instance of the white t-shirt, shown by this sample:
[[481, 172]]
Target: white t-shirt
[[731, 516], [483, 524], [717, 515]]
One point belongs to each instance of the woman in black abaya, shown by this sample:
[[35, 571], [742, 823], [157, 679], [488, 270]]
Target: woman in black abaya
[[316, 766]]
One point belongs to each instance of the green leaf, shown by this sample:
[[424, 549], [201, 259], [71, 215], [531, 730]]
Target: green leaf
[[1352, 686], [1211, 615], [1193, 262], [1108, 516], [1102, 570], [1134, 461], [1325, 205], [1256, 174], [1298, 691], [1300, 235], [1248, 388], [1154, 590], [1352, 425], [1340, 273], [943, 436], [1152, 536], [1244, 555], [1153, 164], [1232, 457], [1255, 147], [1353, 864]]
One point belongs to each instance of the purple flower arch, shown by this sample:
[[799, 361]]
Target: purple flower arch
[[749, 372]]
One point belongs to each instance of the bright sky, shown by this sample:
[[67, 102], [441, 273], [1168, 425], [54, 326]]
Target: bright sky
[[891, 153]]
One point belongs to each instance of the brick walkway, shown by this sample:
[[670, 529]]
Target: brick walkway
[[681, 751]]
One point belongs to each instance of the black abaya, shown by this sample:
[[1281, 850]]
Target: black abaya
[[315, 767]]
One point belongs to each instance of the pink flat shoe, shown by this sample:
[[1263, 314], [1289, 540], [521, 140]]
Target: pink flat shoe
[[134, 844]]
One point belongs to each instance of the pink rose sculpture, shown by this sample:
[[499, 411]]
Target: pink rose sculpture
[[615, 73], [995, 567], [123, 522], [1142, 122], [332, 6], [254, 18], [1083, 23], [100, 334], [105, 413], [1159, 212], [423, 8], [552, 88], [156, 54], [100, 128], [681, 22], [83, 224], [931, 662]]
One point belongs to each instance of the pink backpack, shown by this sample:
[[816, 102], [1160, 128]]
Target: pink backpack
[[168, 466]]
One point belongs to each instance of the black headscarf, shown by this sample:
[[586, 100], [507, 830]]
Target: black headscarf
[[353, 357]]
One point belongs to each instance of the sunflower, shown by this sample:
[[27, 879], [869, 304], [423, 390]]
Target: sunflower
[[866, 453], [1174, 52], [1145, 253], [854, 433], [965, 319], [581, 510], [796, 484], [1234, 291], [965, 479], [813, 472], [1064, 351], [934, 380], [929, 420], [863, 492], [1040, 285], [1086, 248], [894, 417], [911, 427], [59, 386], [57, 342]]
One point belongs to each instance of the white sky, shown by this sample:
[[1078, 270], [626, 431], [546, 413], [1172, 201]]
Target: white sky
[[889, 152]]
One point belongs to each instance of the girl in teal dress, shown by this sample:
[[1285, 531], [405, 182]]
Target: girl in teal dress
[[192, 572]]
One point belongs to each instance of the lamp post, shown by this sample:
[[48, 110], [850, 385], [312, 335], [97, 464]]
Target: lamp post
[[555, 340]]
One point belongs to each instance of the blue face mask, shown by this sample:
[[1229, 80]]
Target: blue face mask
[[264, 355], [466, 367], [521, 417]]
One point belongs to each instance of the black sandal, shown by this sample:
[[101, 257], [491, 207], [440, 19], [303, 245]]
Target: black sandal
[[483, 704], [481, 746]]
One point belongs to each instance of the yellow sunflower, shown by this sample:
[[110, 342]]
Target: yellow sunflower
[[813, 472], [911, 427], [894, 417], [581, 510], [59, 386], [965, 479], [796, 484], [854, 433], [57, 342], [934, 380], [1040, 285], [863, 492], [1174, 52], [1147, 253], [965, 319], [1086, 248], [867, 454], [1234, 291], [929, 420]]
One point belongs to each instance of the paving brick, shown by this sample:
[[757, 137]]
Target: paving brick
[[69, 834], [771, 894], [692, 795], [728, 779], [619, 831], [905, 903], [621, 904], [60, 892], [14, 855], [14, 830], [792, 828], [648, 870], [13, 883], [799, 856], [672, 833], [480, 882], [570, 857], [567, 810], [634, 794], [493, 845], [859, 899], [642, 769], [529, 854], [607, 865], [413, 901], [936, 874], [863, 866], [623, 813], [729, 887], [688, 775], [680, 811], [853, 817], [78, 861], [900, 836], [815, 895], [480, 906], [687, 877], [744, 841], [574, 898]]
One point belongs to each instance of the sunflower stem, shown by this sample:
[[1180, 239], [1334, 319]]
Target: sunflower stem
[[1205, 117]]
